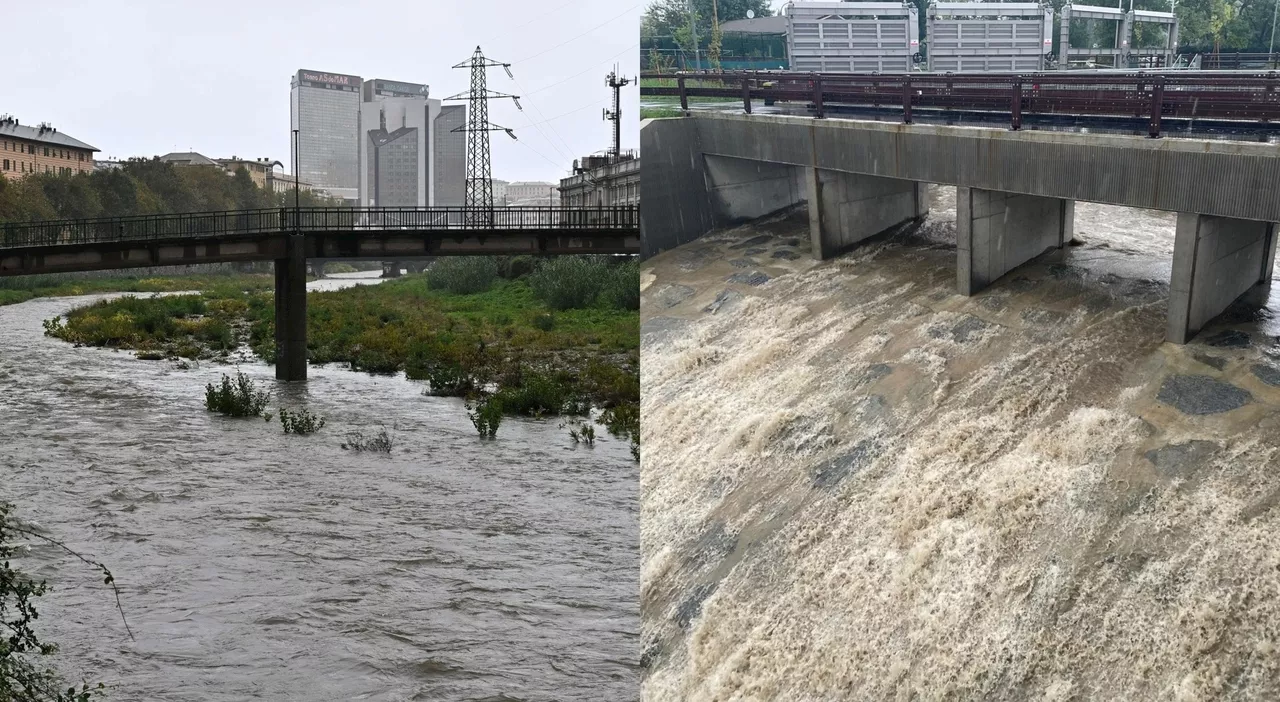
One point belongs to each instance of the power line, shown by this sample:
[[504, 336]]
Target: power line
[[592, 68], [566, 41], [566, 155], [566, 114], [542, 16]]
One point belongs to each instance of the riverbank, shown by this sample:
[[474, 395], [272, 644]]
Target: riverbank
[[20, 289]]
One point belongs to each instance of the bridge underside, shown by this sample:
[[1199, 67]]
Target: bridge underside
[[289, 253], [1015, 199], [383, 245]]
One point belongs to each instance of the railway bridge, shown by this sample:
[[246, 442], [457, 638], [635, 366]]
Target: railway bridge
[[289, 236], [1016, 187]]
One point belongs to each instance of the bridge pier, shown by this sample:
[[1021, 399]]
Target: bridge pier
[[997, 231], [1216, 261], [845, 208], [291, 311]]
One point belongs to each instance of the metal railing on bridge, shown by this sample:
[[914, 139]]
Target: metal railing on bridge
[[244, 223], [1242, 97]]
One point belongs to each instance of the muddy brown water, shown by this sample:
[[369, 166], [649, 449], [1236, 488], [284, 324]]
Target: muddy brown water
[[258, 565]]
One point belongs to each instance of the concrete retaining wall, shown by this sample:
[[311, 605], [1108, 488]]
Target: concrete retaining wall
[[675, 207], [743, 190]]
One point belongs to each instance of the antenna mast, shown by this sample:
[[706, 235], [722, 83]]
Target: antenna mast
[[479, 189], [615, 116]]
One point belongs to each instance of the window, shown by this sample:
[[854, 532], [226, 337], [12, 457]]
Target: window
[[81, 155], [6, 164]]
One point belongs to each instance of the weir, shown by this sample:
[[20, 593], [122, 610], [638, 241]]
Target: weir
[[1016, 193]]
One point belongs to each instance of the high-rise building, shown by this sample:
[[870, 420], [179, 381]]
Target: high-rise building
[[396, 164], [325, 108], [451, 157]]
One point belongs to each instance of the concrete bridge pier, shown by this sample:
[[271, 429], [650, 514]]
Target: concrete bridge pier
[[291, 311], [997, 231], [845, 208], [1216, 261]]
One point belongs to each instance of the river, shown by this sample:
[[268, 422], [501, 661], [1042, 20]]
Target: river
[[859, 484], [258, 565]]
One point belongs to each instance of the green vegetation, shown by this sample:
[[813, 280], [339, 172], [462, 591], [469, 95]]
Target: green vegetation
[[139, 187], [557, 340], [583, 433], [376, 443], [659, 112], [463, 275], [300, 421], [485, 415], [22, 288], [23, 677], [236, 398], [623, 421]]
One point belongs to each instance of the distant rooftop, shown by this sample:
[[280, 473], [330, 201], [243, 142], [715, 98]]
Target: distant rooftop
[[40, 133], [188, 158]]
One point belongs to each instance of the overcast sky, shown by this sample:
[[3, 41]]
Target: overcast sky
[[145, 77]]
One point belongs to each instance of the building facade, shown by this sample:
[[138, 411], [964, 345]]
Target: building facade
[[451, 157], [603, 181], [258, 168], [396, 150], [40, 149], [325, 109]]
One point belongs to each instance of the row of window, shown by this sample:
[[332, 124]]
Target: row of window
[[24, 167], [31, 149]]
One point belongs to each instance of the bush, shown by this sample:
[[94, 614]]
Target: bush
[[545, 321], [238, 398], [535, 395], [569, 282], [584, 433], [622, 286], [377, 443], [300, 422], [463, 275], [623, 421], [486, 417]]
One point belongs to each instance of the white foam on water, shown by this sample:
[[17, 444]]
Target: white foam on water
[[1000, 531]]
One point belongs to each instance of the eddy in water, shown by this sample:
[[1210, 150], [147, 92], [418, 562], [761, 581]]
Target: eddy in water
[[859, 484]]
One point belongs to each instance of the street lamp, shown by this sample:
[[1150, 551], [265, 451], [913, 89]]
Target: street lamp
[[297, 198]]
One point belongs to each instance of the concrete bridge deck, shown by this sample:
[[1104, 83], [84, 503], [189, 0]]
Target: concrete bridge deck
[[1015, 200], [289, 236]]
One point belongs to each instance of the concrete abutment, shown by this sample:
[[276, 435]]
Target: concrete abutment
[[1216, 261]]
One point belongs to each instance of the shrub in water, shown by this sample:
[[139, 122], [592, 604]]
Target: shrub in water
[[462, 275], [623, 421], [300, 422], [359, 441], [536, 395], [486, 415], [583, 434], [236, 398], [569, 282]]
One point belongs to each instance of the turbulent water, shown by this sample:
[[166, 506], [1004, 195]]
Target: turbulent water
[[859, 484], [258, 565]]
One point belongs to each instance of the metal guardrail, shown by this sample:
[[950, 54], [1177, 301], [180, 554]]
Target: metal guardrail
[[1253, 98], [239, 223]]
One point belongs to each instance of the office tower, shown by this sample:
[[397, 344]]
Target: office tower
[[451, 156], [325, 108], [396, 144]]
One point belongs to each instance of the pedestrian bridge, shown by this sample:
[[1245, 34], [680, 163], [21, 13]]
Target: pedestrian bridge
[[289, 236]]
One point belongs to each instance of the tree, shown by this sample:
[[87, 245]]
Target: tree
[[663, 18]]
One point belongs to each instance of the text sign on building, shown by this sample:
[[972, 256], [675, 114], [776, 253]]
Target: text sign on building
[[391, 88], [336, 80]]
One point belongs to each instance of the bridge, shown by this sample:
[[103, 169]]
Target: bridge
[[289, 236], [1016, 188]]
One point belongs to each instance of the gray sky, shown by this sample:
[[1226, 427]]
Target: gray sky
[[146, 77]]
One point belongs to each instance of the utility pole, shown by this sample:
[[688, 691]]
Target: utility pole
[[1275, 10], [479, 191], [693, 32], [615, 115]]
